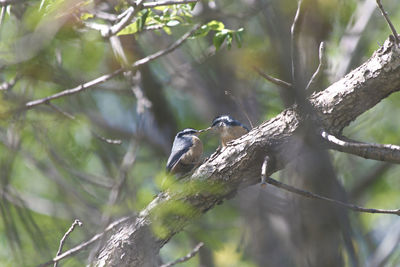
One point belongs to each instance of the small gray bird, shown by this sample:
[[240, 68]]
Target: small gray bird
[[228, 128], [185, 153]]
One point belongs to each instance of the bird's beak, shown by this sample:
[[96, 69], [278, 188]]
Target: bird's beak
[[204, 130]]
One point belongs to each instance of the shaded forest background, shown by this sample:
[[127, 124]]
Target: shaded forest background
[[57, 166]]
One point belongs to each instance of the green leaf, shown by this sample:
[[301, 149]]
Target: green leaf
[[86, 16], [238, 37], [173, 23], [215, 25], [143, 19], [218, 39], [192, 5], [167, 30], [130, 29], [229, 38], [203, 31]]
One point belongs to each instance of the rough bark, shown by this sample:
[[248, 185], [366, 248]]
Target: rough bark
[[137, 242]]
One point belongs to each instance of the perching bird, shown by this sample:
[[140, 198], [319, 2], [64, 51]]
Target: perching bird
[[185, 153], [228, 128]]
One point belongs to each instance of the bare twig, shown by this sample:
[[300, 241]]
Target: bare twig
[[321, 66], [62, 241], [295, 29], [392, 28], [72, 117], [388, 153], [9, 85], [83, 245], [167, 3], [131, 12], [368, 180], [104, 15], [308, 194], [2, 14], [107, 77], [264, 169], [239, 103], [107, 140], [59, 110], [75, 90], [272, 79], [185, 258]]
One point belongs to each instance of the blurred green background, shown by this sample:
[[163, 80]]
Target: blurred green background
[[56, 167]]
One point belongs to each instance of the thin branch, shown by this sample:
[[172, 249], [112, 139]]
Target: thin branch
[[387, 153], [168, 3], [75, 90], [62, 241], [107, 77], [132, 11], [83, 245], [392, 28], [308, 194], [264, 169], [168, 50], [104, 15], [239, 103], [368, 180], [185, 258], [72, 117], [295, 29], [321, 66], [2, 14], [272, 79], [62, 112], [107, 140], [5, 86]]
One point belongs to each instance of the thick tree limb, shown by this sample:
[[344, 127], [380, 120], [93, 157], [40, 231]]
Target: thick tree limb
[[387, 153], [138, 241]]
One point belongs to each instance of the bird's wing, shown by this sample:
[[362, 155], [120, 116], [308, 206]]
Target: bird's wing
[[179, 148], [238, 123]]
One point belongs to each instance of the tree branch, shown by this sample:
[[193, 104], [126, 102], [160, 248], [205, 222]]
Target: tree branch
[[387, 153], [392, 28], [107, 77], [238, 165], [321, 66], [295, 29], [130, 13], [273, 79], [84, 245], [168, 3], [185, 258], [62, 241], [308, 194]]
